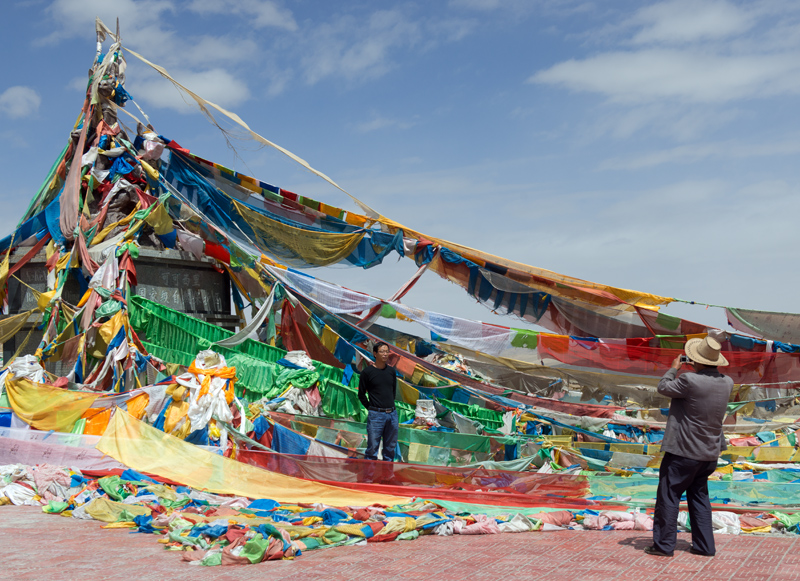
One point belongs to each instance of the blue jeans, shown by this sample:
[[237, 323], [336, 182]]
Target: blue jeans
[[381, 426]]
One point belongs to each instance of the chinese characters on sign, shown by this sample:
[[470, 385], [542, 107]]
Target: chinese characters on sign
[[184, 289]]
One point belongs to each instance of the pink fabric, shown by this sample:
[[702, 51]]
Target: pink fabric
[[92, 303], [191, 243], [751, 441], [31, 452], [639, 522], [70, 353], [560, 518], [751, 522], [86, 261], [228, 558], [70, 197], [45, 475], [484, 525], [595, 522], [313, 396]]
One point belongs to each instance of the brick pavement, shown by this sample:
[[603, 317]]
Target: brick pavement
[[47, 547]]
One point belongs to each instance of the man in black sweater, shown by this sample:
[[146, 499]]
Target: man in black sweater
[[377, 390]]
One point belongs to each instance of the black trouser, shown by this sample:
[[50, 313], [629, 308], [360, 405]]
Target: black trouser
[[676, 476]]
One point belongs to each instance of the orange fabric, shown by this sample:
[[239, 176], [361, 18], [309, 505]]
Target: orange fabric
[[137, 405], [406, 366], [96, 421], [224, 372], [355, 219], [175, 413], [556, 343], [85, 297]]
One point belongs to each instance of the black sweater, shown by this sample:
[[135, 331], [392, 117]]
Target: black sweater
[[378, 387]]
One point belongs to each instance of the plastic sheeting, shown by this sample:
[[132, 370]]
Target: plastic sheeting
[[745, 367], [132, 443], [459, 484], [633, 356], [720, 491]]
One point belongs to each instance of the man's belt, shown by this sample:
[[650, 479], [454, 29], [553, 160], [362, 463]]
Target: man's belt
[[384, 410]]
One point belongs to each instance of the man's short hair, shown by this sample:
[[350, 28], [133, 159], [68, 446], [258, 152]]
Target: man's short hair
[[376, 347]]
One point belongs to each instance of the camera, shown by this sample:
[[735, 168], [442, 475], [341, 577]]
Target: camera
[[685, 359]]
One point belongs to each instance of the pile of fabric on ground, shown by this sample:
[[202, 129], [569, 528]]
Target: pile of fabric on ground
[[213, 529]]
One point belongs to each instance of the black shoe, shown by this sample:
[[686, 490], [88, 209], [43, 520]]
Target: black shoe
[[656, 552], [694, 551]]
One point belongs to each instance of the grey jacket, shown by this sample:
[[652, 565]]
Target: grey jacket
[[699, 402]]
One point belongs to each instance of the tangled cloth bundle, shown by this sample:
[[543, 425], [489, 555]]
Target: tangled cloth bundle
[[619, 521]]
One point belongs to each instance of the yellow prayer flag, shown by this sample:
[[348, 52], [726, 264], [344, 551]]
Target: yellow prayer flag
[[132, 442], [50, 249], [329, 338], [408, 394], [418, 452], [151, 171], [63, 260], [160, 220], [44, 299], [110, 328], [45, 407], [11, 325]]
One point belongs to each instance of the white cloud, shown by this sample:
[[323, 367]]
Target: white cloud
[[207, 50], [195, 61], [142, 27], [359, 47], [705, 151], [18, 102], [354, 44], [215, 85], [675, 121], [140, 20], [338, 51], [16, 140], [680, 21], [523, 8], [260, 13], [682, 69], [377, 122], [78, 83], [691, 76], [450, 30], [480, 5], [278, 80]]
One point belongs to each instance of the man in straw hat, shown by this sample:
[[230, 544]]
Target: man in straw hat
[[692, 443]]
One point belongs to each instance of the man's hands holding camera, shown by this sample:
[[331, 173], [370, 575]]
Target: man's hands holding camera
[[680, 360]]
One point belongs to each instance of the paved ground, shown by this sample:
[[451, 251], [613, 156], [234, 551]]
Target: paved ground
[[38, 546]]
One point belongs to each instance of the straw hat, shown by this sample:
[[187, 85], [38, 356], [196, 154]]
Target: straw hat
[[705, 351]]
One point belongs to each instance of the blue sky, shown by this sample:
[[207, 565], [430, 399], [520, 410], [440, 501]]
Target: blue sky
[[646, 145]]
